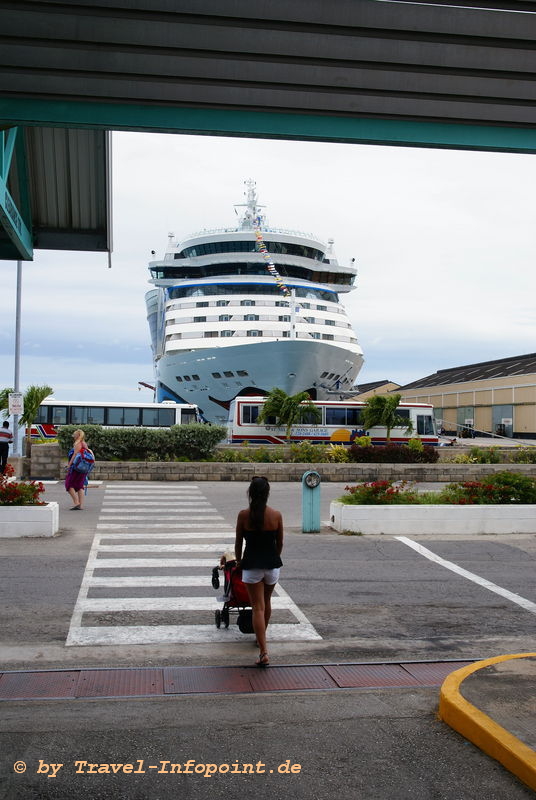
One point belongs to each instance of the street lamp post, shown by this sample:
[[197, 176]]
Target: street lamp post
[[17, 356]]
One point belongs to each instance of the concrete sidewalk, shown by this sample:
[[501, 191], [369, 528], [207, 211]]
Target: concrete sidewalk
[[493, 704]]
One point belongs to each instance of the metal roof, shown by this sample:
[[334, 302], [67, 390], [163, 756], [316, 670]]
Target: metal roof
[[500, 368], [433, 74]]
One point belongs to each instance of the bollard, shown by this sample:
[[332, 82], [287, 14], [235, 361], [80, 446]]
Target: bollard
[[310, 502]]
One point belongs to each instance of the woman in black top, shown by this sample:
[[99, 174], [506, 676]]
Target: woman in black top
[[261, 527]]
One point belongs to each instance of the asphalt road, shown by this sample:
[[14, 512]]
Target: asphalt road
[[368, 598]]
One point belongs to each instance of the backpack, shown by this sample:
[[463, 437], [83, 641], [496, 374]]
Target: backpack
[[84, 461]]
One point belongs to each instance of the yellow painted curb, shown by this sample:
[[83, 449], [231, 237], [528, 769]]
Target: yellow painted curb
[[480, 729]]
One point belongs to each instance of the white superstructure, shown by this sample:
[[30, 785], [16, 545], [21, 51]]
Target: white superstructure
[[228, 319]]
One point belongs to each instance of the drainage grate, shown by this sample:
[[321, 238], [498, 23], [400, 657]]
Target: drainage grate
[[433, 674], [37, 685], [289, 678], [350, 676], [190, 680], [120, 683]]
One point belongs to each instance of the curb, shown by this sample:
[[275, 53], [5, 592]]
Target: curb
[[480, 729]]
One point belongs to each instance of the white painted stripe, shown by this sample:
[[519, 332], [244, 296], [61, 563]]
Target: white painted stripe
[[210, 517], [131, 563], [116, 505], [191, 535], [161, 548], [492, 587], [113, 604], [152, 580], [119, 526], [172, 634], [76, 618]]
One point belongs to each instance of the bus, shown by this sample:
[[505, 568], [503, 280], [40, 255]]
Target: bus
[[340, 423], [54, 413]]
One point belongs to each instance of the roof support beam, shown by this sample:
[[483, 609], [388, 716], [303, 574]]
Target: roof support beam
[[17, 240]]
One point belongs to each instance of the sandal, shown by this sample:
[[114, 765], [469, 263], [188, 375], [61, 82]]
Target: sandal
[[263, 660]]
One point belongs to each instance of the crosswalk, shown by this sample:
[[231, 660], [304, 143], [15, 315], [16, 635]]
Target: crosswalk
[[147, 577]]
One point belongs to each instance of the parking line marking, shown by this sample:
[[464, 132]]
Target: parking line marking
[[528, 605]]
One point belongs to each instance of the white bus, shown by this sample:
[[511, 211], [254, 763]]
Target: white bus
[[340, 423], [54, 413]]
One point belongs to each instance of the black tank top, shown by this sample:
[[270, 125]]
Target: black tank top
[[261, 552]]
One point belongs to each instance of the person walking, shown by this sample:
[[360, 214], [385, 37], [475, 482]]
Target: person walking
[[261, 528], [6, 438], [75, 482]]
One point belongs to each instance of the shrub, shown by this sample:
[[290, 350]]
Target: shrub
[[379, 493], [363, 441], [393, 454], [525, 455], [189, 442], [307, 453], [416, 445], [503, 487], [19, 493], [337, 454]]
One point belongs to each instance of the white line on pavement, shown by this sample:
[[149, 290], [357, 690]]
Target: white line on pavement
[[171, 634], [492, 587]]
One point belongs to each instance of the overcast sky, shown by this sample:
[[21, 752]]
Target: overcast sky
[[444, 242]]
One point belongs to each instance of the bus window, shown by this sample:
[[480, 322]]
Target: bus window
[[59, 415], [123, 416], [42, 415], [402, 412], [249, 414], [132, 416], [309, 419], [187, 416], [353, 416], [157, 417], [425, 425], [81, 415], [335, 416]]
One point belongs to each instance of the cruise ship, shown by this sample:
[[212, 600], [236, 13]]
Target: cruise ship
[[244, 309]]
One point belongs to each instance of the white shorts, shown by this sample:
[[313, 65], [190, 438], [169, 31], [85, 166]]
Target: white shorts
[[269, 576]]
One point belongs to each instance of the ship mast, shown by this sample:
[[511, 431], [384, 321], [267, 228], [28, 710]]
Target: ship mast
[[252, 211]]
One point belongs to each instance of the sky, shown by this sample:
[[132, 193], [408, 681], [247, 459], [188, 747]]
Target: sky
[[444, 242]]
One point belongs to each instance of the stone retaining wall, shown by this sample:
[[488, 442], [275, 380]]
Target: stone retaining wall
[[346, 473], [46, 462]]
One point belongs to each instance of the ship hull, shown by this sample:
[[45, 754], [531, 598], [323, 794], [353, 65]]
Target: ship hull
[[292, 366]]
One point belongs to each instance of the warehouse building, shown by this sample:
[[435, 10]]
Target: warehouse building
[[492, 397]]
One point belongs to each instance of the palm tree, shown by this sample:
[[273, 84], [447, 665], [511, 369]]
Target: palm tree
[[289, 409], [380, 410], [33, 397]]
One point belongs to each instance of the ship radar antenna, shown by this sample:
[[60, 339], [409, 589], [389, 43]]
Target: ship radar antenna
[[171, 235], [252, 210]]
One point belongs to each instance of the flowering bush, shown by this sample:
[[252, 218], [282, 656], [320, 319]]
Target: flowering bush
[[501, 488], [378, 493], [13, 493]]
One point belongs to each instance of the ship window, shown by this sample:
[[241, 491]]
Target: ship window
[[321, 308], [210, 334], [310, 319], [178, 378], [328, 336], [200, 319], [195, 377], [241, 372], [249, 414], [216, 375], [315, 335], [323, 374], [251, 317], [222, 302], [284, 318], [329, 322], [254, 333], [187, 378], [282, 303], [305, 305], [224, 317], [247, 302], [228, 374], [202, 304], [227, 333], [285, 334]]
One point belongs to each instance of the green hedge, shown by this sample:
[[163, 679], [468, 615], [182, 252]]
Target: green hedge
[[194, 442]]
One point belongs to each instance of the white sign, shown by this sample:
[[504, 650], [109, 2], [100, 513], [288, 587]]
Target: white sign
[[506, 420], [15, 403]]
